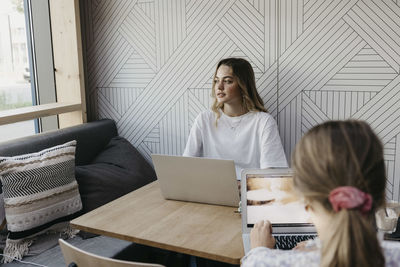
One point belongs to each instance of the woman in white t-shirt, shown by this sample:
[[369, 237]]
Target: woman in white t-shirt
[[238, 126]]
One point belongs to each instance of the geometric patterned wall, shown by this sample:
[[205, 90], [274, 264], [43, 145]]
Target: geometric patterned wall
[[149, 65]]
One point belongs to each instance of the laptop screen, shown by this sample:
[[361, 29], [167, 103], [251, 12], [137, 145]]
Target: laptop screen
[[272, 197]]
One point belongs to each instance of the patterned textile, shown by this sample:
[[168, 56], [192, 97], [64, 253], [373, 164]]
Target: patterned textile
[[2, 211], [40, 192], [265, 257]]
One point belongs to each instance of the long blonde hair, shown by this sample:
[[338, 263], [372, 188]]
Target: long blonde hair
[[244, 73], [343, 153]]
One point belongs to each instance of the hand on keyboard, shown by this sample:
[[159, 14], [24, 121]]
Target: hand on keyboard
[[292, 241], [261, 235], [301, 245]]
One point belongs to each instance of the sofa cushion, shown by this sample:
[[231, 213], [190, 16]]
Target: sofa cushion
[[91, 138], [116, 171], [2, 211], [40, 193]]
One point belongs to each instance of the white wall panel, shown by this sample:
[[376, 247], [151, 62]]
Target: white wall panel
[[150, 65]]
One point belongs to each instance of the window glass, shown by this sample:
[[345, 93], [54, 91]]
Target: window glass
[[15, 72]]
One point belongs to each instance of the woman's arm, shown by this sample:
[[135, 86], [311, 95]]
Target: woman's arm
[[272, 153], [194, 145], [261, 235]]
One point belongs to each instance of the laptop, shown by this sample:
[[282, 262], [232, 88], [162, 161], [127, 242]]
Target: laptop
[[203, 180], [268, 194]]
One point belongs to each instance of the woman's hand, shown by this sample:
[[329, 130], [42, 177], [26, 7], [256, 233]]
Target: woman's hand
[[303, 246], [261, 235]]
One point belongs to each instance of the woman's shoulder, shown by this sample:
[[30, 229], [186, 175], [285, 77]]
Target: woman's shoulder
[[391, 245], [273, 257], [206, 115], [264, 117], [204, 118], [391, 249]]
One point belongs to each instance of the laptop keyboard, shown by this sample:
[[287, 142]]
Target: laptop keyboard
[[289, 241]]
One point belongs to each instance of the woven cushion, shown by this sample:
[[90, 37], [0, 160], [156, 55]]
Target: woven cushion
[[39, 191], [2, 211]]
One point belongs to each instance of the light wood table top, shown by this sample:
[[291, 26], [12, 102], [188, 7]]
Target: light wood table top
[[145, 217]]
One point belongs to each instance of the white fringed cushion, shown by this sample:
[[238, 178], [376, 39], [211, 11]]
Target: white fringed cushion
[[2, 212], [39, 191]]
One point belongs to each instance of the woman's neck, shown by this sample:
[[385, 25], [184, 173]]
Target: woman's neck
[[321, 219], [234, 110]]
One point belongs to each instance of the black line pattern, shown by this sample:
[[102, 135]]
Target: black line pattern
[[38, 180], [314, 60]]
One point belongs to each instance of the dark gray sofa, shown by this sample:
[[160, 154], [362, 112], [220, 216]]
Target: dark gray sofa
[[97, 149]]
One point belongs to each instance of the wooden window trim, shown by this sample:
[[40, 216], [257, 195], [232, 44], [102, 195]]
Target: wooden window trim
[[68, 67], [33, 112]]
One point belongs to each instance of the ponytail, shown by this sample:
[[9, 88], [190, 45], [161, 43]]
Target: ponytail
[[352, 242], [340, 165]]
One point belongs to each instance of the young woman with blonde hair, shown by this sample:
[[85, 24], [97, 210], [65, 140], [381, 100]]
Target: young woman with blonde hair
[[238, 126], [339, 170]]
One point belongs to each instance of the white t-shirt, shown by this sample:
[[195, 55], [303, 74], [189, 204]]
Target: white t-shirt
[[251, 140]]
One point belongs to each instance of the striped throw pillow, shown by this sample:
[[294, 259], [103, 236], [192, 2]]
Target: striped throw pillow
[[2, 212], [40, 192]]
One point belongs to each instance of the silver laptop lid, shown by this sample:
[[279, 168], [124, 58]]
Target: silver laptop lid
[[268, 194], [203, 180]]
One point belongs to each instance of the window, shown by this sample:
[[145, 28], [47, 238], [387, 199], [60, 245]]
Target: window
[[33, 98], [15, 85]]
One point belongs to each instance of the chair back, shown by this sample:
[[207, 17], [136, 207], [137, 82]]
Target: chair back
[[74, 256]]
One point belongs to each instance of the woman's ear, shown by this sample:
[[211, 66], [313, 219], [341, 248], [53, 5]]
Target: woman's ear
[[307, 207]]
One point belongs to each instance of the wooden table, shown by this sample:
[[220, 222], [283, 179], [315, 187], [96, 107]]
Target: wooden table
[[145, 217]]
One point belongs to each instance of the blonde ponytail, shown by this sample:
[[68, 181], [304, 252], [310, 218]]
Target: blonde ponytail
[[352, 242], [339, 155]]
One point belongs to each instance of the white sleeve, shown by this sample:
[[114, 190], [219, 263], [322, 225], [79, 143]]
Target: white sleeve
[[194, 145], [265, 257], [272, 153], [257, 257]]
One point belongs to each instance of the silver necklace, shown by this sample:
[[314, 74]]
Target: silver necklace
[[233, 126]]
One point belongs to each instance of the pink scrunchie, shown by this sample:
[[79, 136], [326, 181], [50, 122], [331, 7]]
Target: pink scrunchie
[[349, 197]]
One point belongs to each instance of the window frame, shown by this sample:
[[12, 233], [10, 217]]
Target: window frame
[[37, 14], [66, 41]]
